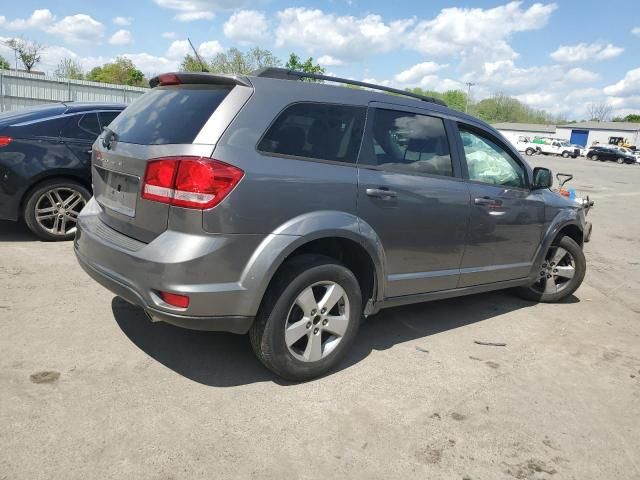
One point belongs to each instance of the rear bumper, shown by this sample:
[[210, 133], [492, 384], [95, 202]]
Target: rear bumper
[[232, 324], [201, 267]]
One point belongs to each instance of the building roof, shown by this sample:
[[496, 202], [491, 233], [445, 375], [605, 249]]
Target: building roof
[[623, 126], [525, 127]]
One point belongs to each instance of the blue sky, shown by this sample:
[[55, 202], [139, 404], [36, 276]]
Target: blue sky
[[561, 56]]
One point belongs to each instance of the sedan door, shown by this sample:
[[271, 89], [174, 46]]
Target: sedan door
[[411, 193], [507, 218], [79, 134]]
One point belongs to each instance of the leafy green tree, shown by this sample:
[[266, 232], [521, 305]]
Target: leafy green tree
[[4, 64], [69, 68], [455, 99], [235, 61], [632, 117], [294, 63], [122, 72], [191, 64]]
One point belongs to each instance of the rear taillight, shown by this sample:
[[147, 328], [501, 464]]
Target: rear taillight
[[190, 182], [4, 141]]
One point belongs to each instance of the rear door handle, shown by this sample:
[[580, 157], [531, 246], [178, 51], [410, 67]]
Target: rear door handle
[[487, 201], [381, 192]]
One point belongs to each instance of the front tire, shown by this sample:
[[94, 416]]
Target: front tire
[[529, 151], [561, 273], [565, 154], [52, 208], [308, 319], [594, 158], [620, 161]]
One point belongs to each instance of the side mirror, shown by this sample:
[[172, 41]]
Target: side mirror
[[542, 178]]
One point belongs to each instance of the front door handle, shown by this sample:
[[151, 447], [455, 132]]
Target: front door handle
[[382, 192], [488, 201]]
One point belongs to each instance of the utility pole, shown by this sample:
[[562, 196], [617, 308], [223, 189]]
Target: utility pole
[[466, 105]]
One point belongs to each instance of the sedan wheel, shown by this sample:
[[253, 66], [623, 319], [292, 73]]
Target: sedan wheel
[[52, 209], [620, 161], [594, 158]]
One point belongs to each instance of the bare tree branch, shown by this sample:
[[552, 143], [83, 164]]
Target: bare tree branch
[[599, 112], [29, 52]]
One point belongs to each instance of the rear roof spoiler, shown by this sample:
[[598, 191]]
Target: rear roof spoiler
[[196, 78]]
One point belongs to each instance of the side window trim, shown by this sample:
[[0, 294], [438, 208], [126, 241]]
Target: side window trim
[[485, 133], [364, 158]]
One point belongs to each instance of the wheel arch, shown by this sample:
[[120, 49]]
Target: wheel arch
[[342, 236]]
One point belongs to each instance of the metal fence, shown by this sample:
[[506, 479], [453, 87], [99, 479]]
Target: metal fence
[[23, 89]]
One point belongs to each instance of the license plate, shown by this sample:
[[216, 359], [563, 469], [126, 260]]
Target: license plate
[[118, 192]]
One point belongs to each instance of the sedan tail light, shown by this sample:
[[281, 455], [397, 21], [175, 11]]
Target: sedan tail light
[[4, 141], [189, 182]]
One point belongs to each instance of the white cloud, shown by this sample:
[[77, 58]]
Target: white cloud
[[77, 28], [150, 64], [121, 37], [585, 52], [329, 61], [74, 28], [580, 75], [417, 72], [190, 10], [341, 37], [628, 86], [210, 49], [39, 19], [636, 31], [169, 35], [478, 33], [122, 21], [178, 49], [247, 27]]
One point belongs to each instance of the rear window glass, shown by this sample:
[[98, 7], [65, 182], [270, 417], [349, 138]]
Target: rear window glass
[[316, 130], [168, 114]]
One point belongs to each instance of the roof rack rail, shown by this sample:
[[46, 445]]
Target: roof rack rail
[[286, 74]]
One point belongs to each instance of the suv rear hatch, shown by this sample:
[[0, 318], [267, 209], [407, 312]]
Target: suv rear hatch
[[183, 115]]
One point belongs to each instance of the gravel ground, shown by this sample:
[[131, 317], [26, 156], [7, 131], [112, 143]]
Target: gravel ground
[[90, 389]]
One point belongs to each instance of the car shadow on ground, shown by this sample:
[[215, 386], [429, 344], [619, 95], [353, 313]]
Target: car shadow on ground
[[15, 232], [224, 359]]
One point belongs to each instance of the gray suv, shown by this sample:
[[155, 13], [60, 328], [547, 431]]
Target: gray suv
[[292, 209]]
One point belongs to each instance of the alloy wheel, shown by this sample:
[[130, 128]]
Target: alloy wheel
[[317, 321], [556, 272], [57, 210]]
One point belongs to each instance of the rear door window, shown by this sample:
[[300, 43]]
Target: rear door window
[[166, 115], [107, 117], [317, 130], [82, 127]]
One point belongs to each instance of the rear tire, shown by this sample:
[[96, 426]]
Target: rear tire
[[565, 154], [529, 151], [292, 335], [620, 161], [594, 158], [52, 209], [562, 259]]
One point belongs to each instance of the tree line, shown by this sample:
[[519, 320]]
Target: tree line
[[122, 71]]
